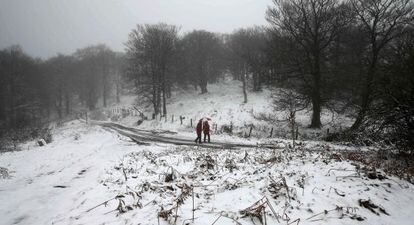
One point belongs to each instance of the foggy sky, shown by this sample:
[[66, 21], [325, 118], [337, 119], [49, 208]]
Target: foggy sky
[[47, 27]]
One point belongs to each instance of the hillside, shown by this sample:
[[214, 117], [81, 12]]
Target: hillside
[[90, 175], [224, 105]]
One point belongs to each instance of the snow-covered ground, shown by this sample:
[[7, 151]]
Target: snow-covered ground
[[92, 175], [224, 105], [47, 183], [89, 175]]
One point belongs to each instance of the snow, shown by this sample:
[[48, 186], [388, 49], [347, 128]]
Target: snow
[[224, 105], [93, 175], [66, 181], [29, 196]]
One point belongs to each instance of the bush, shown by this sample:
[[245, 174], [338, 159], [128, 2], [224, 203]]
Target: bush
[[10, 140], [4, 173], [98, 115], [47, 135]]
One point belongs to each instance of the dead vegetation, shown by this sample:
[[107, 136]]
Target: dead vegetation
[[184, 183], [4, 173], [368, 204]]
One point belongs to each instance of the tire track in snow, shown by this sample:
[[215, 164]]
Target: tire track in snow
[[144, 136]]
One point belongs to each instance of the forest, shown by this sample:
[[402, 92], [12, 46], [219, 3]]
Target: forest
[[354, 57], [246, 112]]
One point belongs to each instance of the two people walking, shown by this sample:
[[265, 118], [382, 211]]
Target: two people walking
[[202, 126]]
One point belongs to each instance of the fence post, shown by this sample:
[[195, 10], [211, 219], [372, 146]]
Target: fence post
[[172, 119], [271, 133], [250, 132], [86, 117], [165, 117], [181, 120], [191, 122]]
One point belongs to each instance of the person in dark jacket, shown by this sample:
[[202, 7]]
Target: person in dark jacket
[[199, 128], [206, 131]]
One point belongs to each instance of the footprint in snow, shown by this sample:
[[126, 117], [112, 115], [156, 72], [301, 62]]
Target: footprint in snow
[[82, 172]]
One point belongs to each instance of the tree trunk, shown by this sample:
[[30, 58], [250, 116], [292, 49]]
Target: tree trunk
[[11, 106], [164, 101], [203, 87], [203, 81], [164, 97], [91, 101], [366, 94], [154, 93], [292, 126], [243, 77], [104, 97], [256, 80], [316, 111], [59, 106], [118, 99], [2, 104], [159, 96], [316, 95], [169, 90], [104, 91], [12, 111], [67, 103]]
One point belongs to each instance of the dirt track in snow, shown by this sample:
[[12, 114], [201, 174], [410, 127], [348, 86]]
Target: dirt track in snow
[[145, 136]]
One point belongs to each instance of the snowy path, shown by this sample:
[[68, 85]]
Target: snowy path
[[66, 181], [145, 137], [142, 136], [54, 183]]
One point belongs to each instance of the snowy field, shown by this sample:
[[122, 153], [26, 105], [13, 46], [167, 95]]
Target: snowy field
[[89, 175], [224, 105], [93, 175]]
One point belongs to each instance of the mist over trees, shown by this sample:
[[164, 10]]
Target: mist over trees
[[353, 57], [247, 57], [381, 23], [34, 92], [150, 51], [311, 28], [202, 55], [20, 93]]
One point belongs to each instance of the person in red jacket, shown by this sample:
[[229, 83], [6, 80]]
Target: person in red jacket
[[199, 128], [206, 131]]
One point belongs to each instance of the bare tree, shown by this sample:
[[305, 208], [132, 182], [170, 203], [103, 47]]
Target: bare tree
[[382, 21], [119, 70], [94, 63], [311, 25], [202, 53], [248, 55], [19, 87], [150, 50], [391, 117], [60, 70], [241, 53], [291, 102]]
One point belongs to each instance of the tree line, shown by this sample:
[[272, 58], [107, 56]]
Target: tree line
[[35, 91], [353, 56], [351, 52], [349, 56]]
